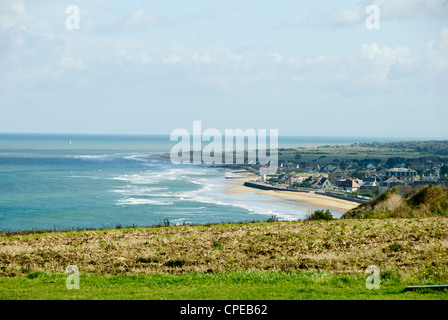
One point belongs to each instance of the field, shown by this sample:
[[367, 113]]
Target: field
[[317, 285], [374, 151], [266, 260], [344, 155]]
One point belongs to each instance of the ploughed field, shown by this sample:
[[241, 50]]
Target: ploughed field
[[415, 248]]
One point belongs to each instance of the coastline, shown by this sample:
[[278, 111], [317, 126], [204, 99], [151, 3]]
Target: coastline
[[300, 198]]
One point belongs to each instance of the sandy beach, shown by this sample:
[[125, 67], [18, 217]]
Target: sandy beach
[[301, 198]]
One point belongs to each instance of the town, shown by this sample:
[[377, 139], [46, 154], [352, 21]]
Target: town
[[351, 177]]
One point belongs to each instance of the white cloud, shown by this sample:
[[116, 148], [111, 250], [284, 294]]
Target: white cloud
[[236, 57], [411, 9], [69, 63], [202, 58], [277, 57], [350, 15], [436, 52], [172, 59], [385, 54], [390, 10], [375, 68], [12, 12], [140, 18]]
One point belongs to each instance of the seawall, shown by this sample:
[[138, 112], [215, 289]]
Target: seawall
[[264, 186]]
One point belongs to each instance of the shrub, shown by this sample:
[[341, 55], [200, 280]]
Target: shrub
[[320, 215], [35, 274]]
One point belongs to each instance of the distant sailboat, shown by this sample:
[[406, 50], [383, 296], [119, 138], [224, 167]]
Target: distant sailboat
[[70, 142]]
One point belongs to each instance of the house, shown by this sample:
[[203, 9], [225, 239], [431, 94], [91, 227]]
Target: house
[[330, 168], [389, 183], [291, 180], [291, 165], [312, 179], [315, 181], [323, 183], [348, 185], [403, 174], [434, 178], [371, 167], [371, 183], [436, 170], [336, 175], [318, 182], [313, 166]]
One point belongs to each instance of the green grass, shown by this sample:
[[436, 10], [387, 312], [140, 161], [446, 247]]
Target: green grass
[[225, 286], [424, 201]]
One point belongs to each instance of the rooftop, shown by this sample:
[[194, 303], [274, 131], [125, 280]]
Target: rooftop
[[400, 170]]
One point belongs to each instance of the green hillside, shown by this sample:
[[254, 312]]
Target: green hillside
[[425, 201]]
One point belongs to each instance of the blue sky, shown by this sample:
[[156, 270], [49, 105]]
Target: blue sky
[[148, 67]]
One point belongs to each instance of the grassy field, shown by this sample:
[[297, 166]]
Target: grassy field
[[420, 151], [381, 151], [325, 154], [318, 285], [270, 260]]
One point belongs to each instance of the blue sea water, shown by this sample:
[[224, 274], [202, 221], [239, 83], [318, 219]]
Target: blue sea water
[[92, 181]]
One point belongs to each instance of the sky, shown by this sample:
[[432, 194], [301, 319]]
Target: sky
[[306, 68]]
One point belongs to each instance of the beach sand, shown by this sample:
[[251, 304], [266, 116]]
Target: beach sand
[[301, 198]]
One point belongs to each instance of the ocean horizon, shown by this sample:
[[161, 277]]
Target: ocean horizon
[[77, 181]]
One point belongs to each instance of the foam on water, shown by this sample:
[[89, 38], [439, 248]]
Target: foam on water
[[107, 182], [138, 201], [90, 157]]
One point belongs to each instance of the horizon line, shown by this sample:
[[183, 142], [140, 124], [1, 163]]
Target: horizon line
[[165, 134]]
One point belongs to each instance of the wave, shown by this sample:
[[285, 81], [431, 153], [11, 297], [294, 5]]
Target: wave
[[140, 157], [143, 191], [139, 201], [135, 156], [203, 196], [101, 157], [209, 191], [232, 174], [155, 177]]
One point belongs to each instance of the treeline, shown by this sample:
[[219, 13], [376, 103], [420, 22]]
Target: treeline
[[435, 147]]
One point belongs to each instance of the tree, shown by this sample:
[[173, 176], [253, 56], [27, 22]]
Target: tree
[[444, 170], [302, 185], [361, 174], [298, 156], [320, 215], [392, 162]]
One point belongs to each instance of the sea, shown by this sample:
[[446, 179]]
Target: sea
[[76, 181]]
